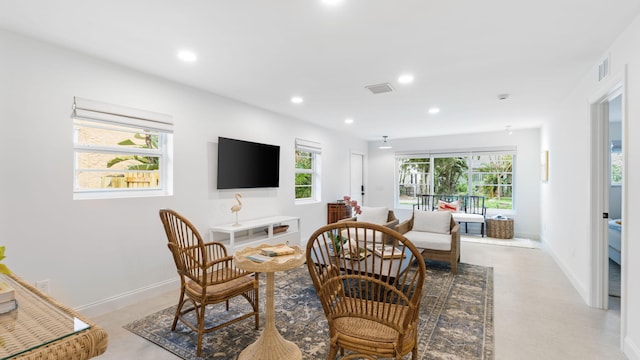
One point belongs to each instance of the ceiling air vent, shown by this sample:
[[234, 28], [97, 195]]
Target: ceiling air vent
[[380, 88]]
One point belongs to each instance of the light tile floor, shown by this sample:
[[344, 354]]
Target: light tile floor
[[537, 313]]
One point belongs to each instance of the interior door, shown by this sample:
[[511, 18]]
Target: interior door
[[356, 190]]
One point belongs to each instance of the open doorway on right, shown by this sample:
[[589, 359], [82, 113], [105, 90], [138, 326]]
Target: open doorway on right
[[615, 200]]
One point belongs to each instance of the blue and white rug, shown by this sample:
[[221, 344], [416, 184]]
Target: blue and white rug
[[456, 319]]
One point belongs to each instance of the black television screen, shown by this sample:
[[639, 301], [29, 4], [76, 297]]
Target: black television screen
[[245, 164]]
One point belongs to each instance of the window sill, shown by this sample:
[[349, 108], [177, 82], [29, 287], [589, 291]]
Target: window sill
[[97, 195]]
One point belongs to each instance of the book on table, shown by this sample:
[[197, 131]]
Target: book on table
[[259, 258], [7, 292], [278, 250], [8, 305], [386, 251]]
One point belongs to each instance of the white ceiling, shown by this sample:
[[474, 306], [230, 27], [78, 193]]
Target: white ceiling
[[463, 53]]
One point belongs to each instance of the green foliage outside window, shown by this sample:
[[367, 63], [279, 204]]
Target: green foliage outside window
[[490, 176], [144, 162], [304, 174]]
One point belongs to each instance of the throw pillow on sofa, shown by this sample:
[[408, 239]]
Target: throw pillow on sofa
[[375, 215], [432, 221], [445, 206]]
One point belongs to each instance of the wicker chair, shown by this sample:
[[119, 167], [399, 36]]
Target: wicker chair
[[207, 275], [371, 302], [440, 245]]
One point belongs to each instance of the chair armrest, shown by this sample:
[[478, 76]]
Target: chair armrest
[[223, 270], [404, 227], [392, 224]]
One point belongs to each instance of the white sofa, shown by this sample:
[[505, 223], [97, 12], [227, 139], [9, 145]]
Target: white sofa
[[374, 215]]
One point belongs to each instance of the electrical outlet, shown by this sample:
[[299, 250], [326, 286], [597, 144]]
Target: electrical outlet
[[44, 286]]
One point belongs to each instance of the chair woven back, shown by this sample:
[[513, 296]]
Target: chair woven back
[[371, 300], [186, 245]]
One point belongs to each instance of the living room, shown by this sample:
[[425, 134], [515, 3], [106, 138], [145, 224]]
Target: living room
[[117, 248]]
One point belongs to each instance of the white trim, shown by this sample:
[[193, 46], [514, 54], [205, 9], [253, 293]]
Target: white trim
[[610, 88], [630, 349], [116, 302]]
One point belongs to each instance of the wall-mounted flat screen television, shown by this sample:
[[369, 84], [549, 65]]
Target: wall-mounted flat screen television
[[245, 164]]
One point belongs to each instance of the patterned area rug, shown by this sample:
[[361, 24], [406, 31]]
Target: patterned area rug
[[456, 319]]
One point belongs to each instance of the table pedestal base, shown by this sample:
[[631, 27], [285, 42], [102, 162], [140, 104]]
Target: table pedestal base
[[271, 345]]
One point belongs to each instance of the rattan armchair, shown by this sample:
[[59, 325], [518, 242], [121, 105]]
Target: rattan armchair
[[207, 276], [371, 302]]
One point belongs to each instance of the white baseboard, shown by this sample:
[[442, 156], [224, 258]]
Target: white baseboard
[[527, 236], [582, 291], [113, 303], [630, 349]]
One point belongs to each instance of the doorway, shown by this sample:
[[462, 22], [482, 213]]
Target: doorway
[[614, 224], [608, 189]]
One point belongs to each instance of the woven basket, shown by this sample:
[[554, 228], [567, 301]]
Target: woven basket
[[500, 228]]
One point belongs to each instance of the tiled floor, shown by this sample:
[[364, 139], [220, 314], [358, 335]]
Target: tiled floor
[[538, 314]]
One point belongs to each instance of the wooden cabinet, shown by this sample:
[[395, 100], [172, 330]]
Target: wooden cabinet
[[337, 211]]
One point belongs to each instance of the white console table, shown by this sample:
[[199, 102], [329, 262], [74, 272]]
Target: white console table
[[252, 232]]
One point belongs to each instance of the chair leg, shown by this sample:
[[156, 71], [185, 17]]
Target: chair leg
[[178, 310], [333, 352], [200, 318]]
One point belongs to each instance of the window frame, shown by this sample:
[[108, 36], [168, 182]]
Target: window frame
[[466, 153], [315, 150], [101, 116]]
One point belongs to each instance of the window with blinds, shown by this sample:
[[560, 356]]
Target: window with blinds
[[120, 151]]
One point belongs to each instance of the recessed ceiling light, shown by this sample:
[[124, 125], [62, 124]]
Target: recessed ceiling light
[[331, 2], [434, 110], [405, 79], [297, 100], [188, 56], [348, 121]]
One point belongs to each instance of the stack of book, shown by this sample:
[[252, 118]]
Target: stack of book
[[386, 251], [7, 298], [278, 250]]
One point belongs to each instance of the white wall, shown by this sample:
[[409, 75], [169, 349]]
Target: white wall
[[107, 253], [566, 198], [526, 171]]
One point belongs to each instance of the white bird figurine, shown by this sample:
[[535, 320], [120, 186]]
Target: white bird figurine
[[237, 207]]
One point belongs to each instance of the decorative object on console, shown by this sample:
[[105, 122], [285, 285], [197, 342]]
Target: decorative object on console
[[237, 207], [278, 229], [355, 208]]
